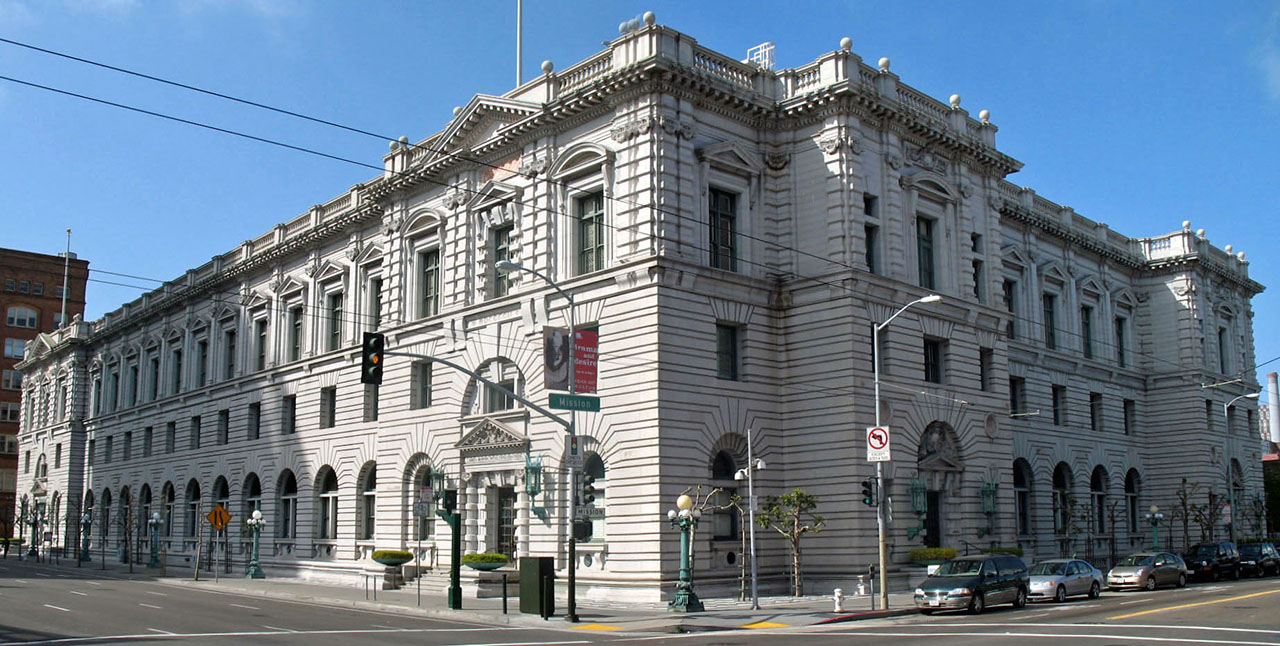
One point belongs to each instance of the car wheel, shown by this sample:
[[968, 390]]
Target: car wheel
[[1151, 583], [1182, 580], [977, 604], [1060, 594], [1095, 590], [1217, 575], [1020, 598], [1236, 574]]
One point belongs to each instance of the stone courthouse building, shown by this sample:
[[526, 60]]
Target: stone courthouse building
[[732, 232]]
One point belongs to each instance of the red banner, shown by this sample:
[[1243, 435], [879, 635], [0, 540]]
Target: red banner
[[585, 351]]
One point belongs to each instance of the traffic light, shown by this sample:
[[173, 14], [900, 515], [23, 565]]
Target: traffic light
[[869, 492], [588, 489], [371, 357]]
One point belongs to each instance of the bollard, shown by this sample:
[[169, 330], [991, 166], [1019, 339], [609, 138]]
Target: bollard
[[838, 598], [504, 593], [862, 585]]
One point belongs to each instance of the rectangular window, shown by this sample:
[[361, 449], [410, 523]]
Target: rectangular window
[[1049, 306], [63, 399], [170, 437], [133, 397], [110, 446], [12, 380], [260, 344], [9, 412], [420, 388], [195, 433], [375, 303], [985, 356], [429, 283], [1224, 366], [328, 406], [924, 251], [1086, 331], [1120, 349], [289, 414], [202, 363], [496, 400], [37, 289], [933, 361], [57, 455], [128, 445], [224, 426], [1059, 405], [89, 455], [500, 245], [148, 437], [1095, 411], [175, 378], [229, 354], [1230, 419], [254, 430], [979, 273], [95, 395], [335, 321], [10, 285], [1130, 415], [1010, 304], [727, 351], [155, 379], [723, 215], [870, 205], [13, 348], [371, 402], [871, 236], [295, 333], [24, 287], [1208, 415], [1017, 396], [590, 233]]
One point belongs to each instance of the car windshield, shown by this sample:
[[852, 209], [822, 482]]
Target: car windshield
[[1048, 568], [1206, 550], [1250, 550], [959, 567], [1137, 559]]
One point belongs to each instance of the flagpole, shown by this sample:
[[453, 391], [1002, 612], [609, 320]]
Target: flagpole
[[66, 273]]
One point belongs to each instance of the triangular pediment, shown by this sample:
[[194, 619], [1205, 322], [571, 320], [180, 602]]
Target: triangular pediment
[[492, 193], [491, 434], [1014, 255], [731, 155], [330, 270], [481, 120]]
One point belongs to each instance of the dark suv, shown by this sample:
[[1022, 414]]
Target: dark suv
[[1259, 559], [973, 583], [1214, 561]]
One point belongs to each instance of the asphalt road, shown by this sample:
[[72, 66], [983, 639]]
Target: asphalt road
[[58, 605]]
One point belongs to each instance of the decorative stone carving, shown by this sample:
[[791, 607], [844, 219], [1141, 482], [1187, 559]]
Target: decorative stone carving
[[674, 126], [995, 202], [313, 265], [893, 160], [454, 200], [777, 160], [938, 449], [626, 130], [354, 247], [531, 166], [277, 284], [924, 157], [829, 143], [966, 189], [391, 223]]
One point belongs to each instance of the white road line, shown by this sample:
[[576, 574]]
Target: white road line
[[56, 608], [93, 582], [1125, 603], [1110, 626], [236, 605], [147, 605], [162, 632], [20, 581], [158, 594], [285, 630], [1023, 636], [83, 594], [43, 574], [386, 627], [358, 631]]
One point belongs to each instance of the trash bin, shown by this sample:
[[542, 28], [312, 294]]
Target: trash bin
[[537, 585]]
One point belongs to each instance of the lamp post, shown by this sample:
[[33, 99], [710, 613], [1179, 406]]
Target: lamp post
[[154, 524], [1231, 504], [1154, 517], [685, 518], [86, 525], [506, 267], [880, 502], [748, 473], [447, 509], [255, 522]]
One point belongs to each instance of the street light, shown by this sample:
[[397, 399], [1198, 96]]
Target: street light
[[1226, 420], [86, 524], [155, 522], [447, 510], [1154, 517], [685, 518], [880, 503], [748, 473], [506, 267], [255, 522]]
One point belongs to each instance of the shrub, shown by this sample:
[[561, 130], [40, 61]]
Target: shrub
[[1013, 551], [484, 557], [392, 554], [932, 553]]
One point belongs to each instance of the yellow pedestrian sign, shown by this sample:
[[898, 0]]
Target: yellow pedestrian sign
[[219, 517]]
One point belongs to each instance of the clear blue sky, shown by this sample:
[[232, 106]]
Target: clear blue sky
[[1139, 114]]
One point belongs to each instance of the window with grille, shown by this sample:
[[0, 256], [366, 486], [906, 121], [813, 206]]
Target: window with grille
[[723, 214], [590, 210]]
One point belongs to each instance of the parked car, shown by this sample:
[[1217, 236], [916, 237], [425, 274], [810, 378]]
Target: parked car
[[1214, 560], [973, 583], [1259, 559], [1148, 570], [1058, 579]]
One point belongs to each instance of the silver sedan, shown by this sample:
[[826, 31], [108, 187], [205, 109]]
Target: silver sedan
[[1058, 579]]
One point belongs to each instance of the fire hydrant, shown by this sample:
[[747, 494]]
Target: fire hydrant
[[838, 598]]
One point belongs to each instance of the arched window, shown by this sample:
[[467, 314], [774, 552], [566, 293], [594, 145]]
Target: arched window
[[144, 509], [505, 374], [725, 521], [1237, 490], [1098, 486], [368, 501], [193, 508], [21, 317], [252, 494], [593, 467], [42, 467], [421, 492], [222, 493], [89, 507], [104, 515], [287, 523], [168, 495], [126, 511], [327, 504], [1132, 485], [1063, 502], [1022, 495]]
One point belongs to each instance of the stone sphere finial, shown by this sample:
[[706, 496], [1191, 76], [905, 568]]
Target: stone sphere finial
[[984, 116], [846, 44], [394, 145], [457, 110], [1186, 225], [650, 18], [1227, 249], [1240, 256], [955, 101], [1199, 233], [404, 140], [884, 64], [547, 66]]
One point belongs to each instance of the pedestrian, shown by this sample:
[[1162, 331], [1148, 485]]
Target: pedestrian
[[6, 549]]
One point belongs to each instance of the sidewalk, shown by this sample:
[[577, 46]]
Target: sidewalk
[[720, 614]]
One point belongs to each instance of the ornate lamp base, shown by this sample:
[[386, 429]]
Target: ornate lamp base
[[254, 572], [686, 601]]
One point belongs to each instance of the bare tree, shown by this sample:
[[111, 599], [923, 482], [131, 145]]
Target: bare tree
[[702, 503], [1183, 512], [1207, 515]]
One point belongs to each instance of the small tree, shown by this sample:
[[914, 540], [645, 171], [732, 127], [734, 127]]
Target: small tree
[[1184, 512], [702, 503], [791, 515], [1207, 515]]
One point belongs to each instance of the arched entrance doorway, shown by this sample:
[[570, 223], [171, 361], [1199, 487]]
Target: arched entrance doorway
[[939, 466]]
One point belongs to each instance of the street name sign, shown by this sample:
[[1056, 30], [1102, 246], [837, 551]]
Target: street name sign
[[562, 401], [589, 512], [877, 444]]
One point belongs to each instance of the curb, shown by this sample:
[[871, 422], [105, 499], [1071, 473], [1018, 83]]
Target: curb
[[870, 614]]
